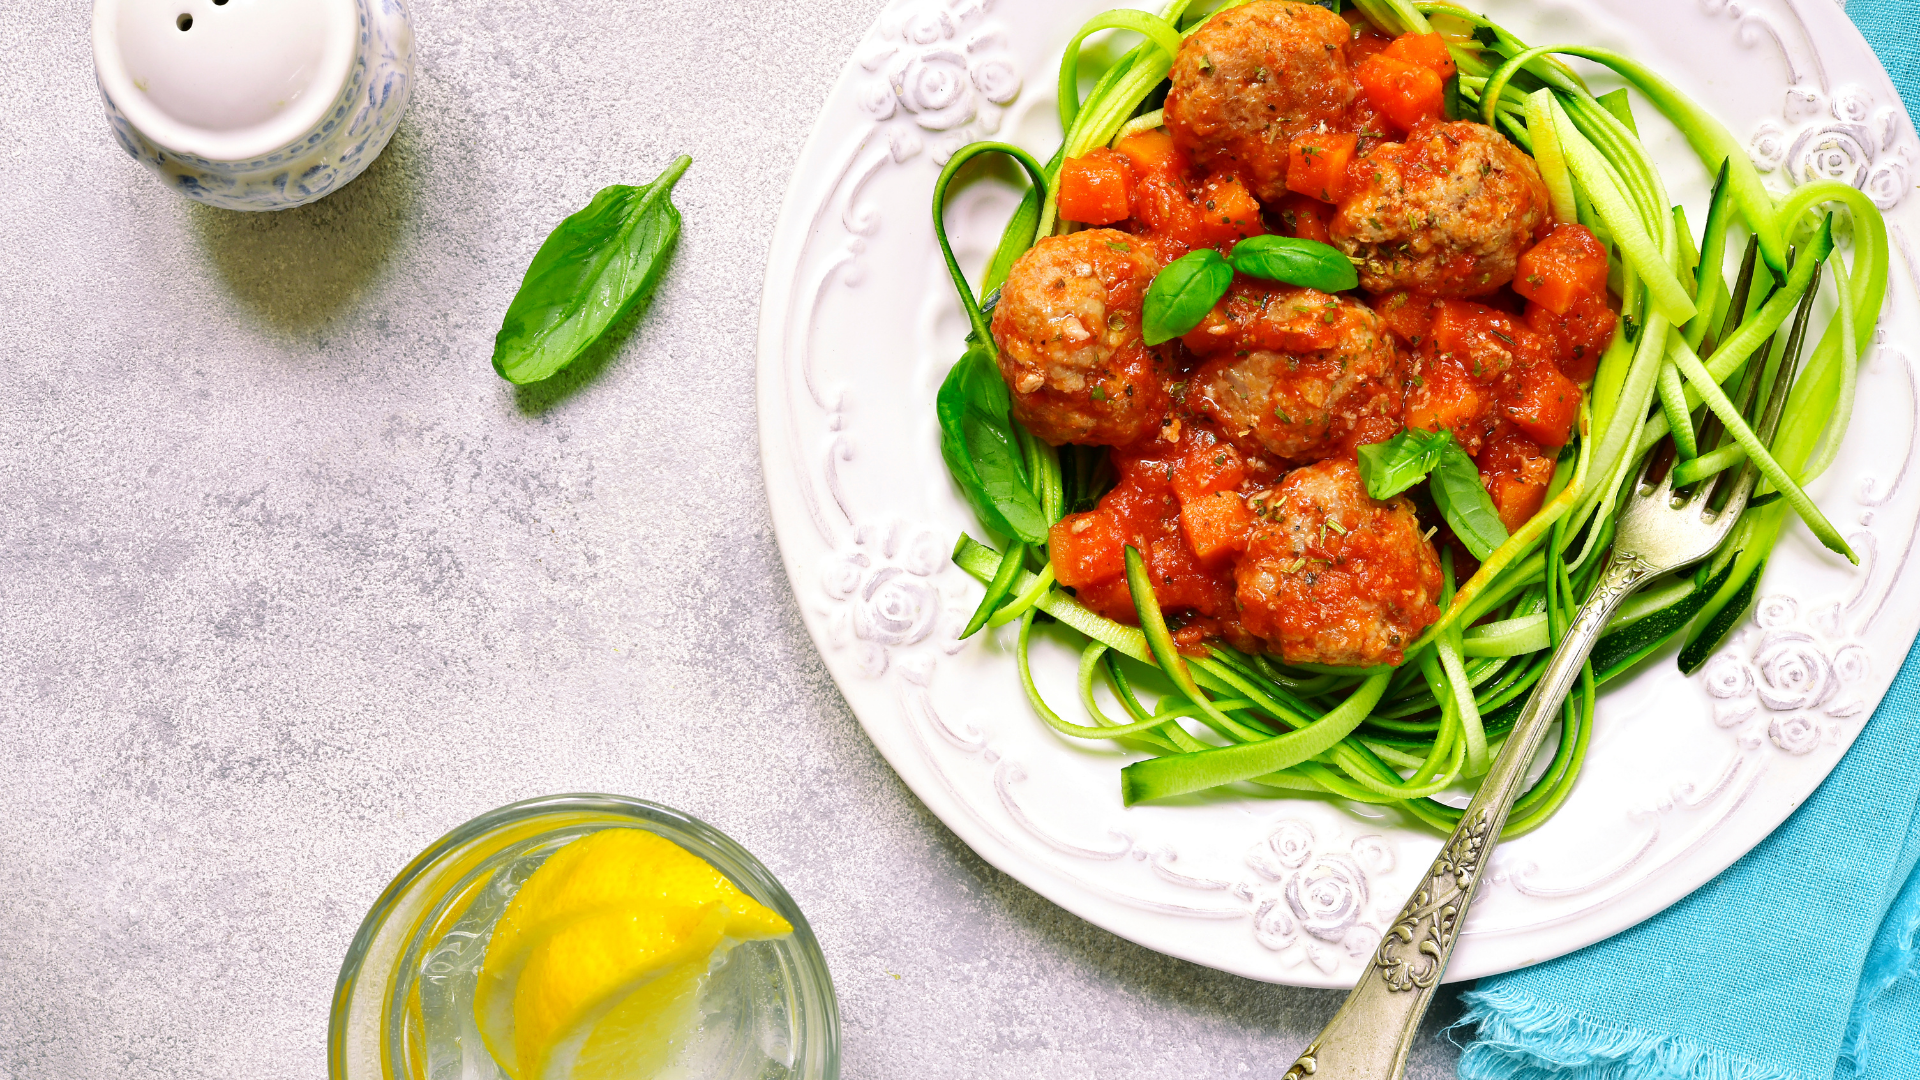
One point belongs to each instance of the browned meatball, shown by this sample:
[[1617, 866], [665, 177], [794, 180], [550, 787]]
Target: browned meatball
[[1296, 372], [1446, 213], [1253, 78], [1068, 326], [1332, 576]]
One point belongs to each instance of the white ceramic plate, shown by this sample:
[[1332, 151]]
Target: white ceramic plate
[[859, 325]]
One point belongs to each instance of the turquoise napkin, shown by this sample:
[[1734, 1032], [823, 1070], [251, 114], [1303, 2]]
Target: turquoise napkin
[[1797, 963]]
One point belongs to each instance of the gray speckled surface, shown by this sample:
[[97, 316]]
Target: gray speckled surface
[[293, 583]]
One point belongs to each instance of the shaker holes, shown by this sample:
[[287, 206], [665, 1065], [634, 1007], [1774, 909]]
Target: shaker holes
[[184, 22]]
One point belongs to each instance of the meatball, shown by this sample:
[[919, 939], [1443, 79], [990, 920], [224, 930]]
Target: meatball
[[1332, 576], [1298, 373], [1253, 78], [1068, 326], [1446, 213]]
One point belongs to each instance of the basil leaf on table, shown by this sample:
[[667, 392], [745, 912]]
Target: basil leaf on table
[[1182, 293], [1463, 501], [1307, 263], [976, 439], [1397, 464], [595, 267]]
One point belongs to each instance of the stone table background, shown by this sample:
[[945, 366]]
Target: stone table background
[[293, 583]]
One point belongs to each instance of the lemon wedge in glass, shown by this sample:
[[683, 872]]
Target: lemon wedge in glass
[[594, 970]]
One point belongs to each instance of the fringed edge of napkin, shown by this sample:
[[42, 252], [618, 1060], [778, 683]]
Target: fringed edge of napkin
[[1524, 1039], [1894, 957]]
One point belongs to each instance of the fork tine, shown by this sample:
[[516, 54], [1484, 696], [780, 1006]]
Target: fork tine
[[1648, 484], [1774, 402], [1742, 490], [1789, 363], [1742, 291], [1777, 394], [1703, 491]]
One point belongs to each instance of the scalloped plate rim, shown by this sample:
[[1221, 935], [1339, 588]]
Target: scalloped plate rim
[[887, 711]]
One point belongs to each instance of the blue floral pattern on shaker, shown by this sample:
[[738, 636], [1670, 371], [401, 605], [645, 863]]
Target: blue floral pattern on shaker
[[348, 139]]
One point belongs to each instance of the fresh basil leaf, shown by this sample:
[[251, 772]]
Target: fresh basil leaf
[[1397, 464], [976, 439], [1182, 293], [595, 267], [1307, 263], [974, 382], [1003, 476], [1464, 503]]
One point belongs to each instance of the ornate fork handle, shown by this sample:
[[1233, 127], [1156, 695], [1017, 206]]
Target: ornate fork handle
[[1369, 1037]]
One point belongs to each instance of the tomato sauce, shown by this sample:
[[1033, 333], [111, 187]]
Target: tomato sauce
[[1180, 500], [1503, 375], [1180, 210]]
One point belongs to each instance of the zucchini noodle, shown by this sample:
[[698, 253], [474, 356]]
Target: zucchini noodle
[[1697, 372]]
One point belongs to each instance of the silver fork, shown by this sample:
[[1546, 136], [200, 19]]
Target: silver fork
[[1656, 531], [1369, 1037]]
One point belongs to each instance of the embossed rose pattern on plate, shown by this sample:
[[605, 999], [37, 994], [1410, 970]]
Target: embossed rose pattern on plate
[[858, 326]]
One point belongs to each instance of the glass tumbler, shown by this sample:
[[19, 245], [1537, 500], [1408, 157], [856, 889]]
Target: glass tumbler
[[403, 1008]]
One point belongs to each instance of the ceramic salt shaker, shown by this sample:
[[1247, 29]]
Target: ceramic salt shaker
[[253, 104]]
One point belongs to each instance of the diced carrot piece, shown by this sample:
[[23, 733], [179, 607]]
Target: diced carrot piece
[[1165, 202], [1228, 211], [1579, 337], [1516, 500], [1086, 549], [1306, 218], [1206, 470], [1444, 398], [1458, 326], [1425, 50], [1094, 187], [1487, 342], [1215, 525], [1404, 93], [1543, 405], [1408, 315], [1568, 265], [1317, 164], [1516, 473], [1152, 153]]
